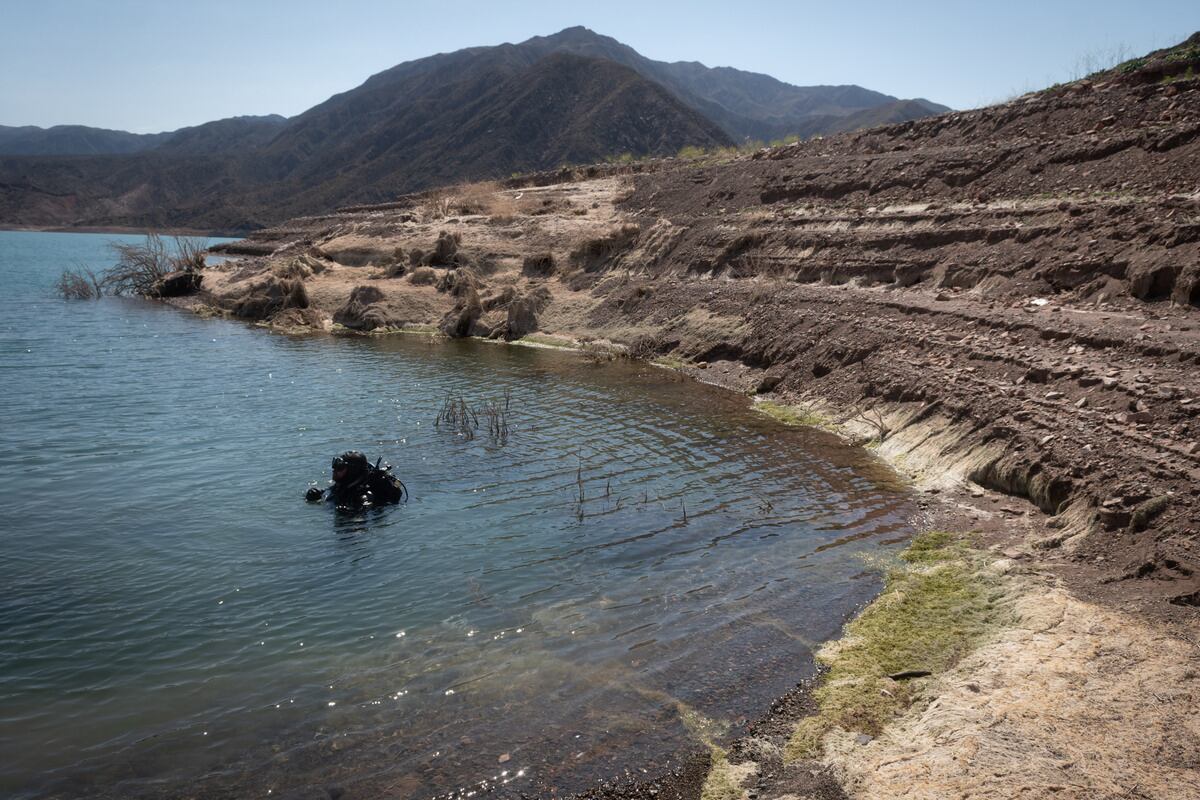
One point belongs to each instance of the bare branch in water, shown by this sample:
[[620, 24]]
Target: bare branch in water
[[79, 283], [141, 266], [457, 416]]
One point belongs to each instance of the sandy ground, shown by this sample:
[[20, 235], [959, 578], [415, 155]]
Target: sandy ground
[[1074, 701]]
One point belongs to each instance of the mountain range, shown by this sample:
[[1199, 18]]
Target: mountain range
[[481, 112]]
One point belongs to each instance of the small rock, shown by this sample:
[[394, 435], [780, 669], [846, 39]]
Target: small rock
[[863, 738], [1081, 402], [503, 758], [1054, 395], [1046, 440]]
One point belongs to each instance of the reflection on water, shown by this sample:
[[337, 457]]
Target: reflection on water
[[546, 610]]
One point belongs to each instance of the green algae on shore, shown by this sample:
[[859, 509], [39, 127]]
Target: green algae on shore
[[935, 608], [793, 415]]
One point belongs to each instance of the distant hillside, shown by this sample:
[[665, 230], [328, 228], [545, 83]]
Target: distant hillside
[[481, 113], [79, 140], [224, 135], [478, 113], [748, 105], [888, 114], [73, 140]]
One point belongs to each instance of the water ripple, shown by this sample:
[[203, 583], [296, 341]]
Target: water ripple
[[174, 615]]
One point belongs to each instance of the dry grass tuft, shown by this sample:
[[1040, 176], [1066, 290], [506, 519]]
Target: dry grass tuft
[[485, 198]]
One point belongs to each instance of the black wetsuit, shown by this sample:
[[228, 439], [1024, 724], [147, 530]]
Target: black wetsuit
[[375, 487]]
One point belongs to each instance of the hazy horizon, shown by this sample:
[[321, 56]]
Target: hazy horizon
[[223, 59]]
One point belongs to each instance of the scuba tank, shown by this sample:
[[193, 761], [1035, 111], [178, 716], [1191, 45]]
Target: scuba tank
[[385, 475]]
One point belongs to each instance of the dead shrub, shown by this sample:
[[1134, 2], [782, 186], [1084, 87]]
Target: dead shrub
[[422, 276], [600, 352], [141, 267], [437, 205], [458, 282], [80, 283], [395, 265], [539, 265], [445, 252], [295, 269], [647, 347], [471, 199]]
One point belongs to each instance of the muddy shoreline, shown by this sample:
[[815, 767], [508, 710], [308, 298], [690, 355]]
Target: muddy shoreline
[[1003, 303]]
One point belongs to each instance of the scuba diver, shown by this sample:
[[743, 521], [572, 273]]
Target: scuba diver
[[359, 484]]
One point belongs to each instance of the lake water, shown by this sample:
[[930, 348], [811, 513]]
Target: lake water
[[174, 619]]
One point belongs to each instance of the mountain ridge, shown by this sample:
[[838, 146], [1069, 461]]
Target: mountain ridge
[[472, 114]]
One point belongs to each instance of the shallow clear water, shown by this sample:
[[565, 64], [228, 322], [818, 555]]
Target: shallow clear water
[[174, 618]]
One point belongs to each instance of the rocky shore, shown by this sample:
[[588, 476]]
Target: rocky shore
[[1004, 303]]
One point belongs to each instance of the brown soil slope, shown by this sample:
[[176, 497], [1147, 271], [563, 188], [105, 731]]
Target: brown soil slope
[[1014, 289]]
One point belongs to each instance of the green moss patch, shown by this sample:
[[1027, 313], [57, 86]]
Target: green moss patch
[[547, 340], [792, 415], [670, 362], [936, 607]]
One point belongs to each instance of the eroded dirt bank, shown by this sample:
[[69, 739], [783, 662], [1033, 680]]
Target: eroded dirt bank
[[1005, 302]]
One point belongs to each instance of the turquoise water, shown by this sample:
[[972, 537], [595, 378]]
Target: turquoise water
[[174, 619]]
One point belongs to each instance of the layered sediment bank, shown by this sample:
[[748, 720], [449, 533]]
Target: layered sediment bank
[[1005, 303]]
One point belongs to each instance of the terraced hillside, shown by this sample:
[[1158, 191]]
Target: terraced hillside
[[1004, 302]]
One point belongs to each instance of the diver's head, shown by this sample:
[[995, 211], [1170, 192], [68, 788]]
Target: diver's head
[[349, 465]]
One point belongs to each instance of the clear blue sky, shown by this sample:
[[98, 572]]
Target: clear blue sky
[[146, 65]]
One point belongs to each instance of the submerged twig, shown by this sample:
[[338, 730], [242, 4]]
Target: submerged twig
[[79, 284], [458, 417]]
